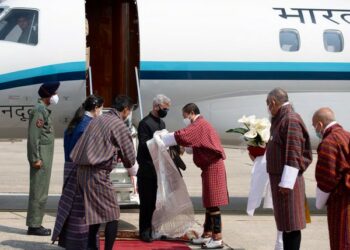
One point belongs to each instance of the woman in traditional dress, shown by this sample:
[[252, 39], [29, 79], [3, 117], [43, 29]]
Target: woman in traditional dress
[[70, 229]]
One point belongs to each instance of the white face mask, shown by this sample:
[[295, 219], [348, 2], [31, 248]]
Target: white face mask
[[54, 99], [187, 121], [128, 118]]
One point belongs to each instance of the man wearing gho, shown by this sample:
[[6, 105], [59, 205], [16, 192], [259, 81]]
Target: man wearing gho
[[333, 176], [288, 155]]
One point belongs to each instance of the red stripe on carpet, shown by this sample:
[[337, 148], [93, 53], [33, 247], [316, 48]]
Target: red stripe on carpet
[[140, 245]]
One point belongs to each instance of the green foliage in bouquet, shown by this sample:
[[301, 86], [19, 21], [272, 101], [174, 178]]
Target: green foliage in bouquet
[[256, 131]]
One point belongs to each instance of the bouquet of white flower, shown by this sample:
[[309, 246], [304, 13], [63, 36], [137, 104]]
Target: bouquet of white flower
[[256, 131]]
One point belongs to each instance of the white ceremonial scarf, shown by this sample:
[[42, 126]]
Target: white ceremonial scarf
[[259, 186], [174, 214]]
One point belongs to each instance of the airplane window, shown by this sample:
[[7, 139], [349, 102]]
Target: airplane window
[[20, 26], [289, 40], [2, 24], [1, 9], [333, 41]]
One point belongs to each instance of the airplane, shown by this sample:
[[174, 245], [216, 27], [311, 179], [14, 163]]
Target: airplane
[[224, 55]]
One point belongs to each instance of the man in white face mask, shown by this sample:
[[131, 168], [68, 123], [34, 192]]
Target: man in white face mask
[[209, 156], [40, 146]]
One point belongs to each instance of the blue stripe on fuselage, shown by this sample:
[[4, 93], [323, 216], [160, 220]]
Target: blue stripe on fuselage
[[189, 71], [55, 72], [245, 70]]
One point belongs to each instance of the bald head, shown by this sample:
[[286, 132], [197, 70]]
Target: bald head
[[323, 115]]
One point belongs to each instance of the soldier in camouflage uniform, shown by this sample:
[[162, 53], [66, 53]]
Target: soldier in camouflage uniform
[[40, 147]]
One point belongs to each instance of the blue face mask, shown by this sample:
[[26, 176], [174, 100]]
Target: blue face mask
[[318, 134]]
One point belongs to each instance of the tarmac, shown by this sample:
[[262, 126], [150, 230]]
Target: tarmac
[[240, 231]]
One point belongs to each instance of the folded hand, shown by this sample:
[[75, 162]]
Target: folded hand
[[38, 164]]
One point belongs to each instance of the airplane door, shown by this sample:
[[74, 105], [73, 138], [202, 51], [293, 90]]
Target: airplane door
[[114, 47]]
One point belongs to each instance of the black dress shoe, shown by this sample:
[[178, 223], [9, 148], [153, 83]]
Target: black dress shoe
[[39, 231], [145, 236]]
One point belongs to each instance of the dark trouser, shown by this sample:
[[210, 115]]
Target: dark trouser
[[291, 240], [147, 188], [111, 230]]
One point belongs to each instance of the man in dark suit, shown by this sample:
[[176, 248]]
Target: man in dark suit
[[146, 176]]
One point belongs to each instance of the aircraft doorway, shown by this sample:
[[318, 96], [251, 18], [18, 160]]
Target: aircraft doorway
[[114, 47]]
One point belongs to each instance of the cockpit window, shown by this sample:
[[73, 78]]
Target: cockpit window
[[1, 10], [21, 26]]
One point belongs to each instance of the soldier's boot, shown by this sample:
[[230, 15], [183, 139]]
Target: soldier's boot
[[39, 231]]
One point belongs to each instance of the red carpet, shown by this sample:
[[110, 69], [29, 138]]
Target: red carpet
[[140, 245]]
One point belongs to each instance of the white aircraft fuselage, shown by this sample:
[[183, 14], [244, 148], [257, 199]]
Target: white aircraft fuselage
[[223, 55]]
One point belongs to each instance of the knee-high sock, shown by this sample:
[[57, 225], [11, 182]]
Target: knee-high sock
[[208, 226], [216, 218], [93, 230], [110, 234], [291, 240]]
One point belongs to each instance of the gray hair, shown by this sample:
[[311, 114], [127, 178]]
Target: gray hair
[[161, 99], [279, 94]]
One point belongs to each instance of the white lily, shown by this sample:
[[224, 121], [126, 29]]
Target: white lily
[[247, 120], [262, 127], [256, 127], [265, 135], [251, 134]]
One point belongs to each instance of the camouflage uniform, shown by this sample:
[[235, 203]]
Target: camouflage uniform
[[40, 146]]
